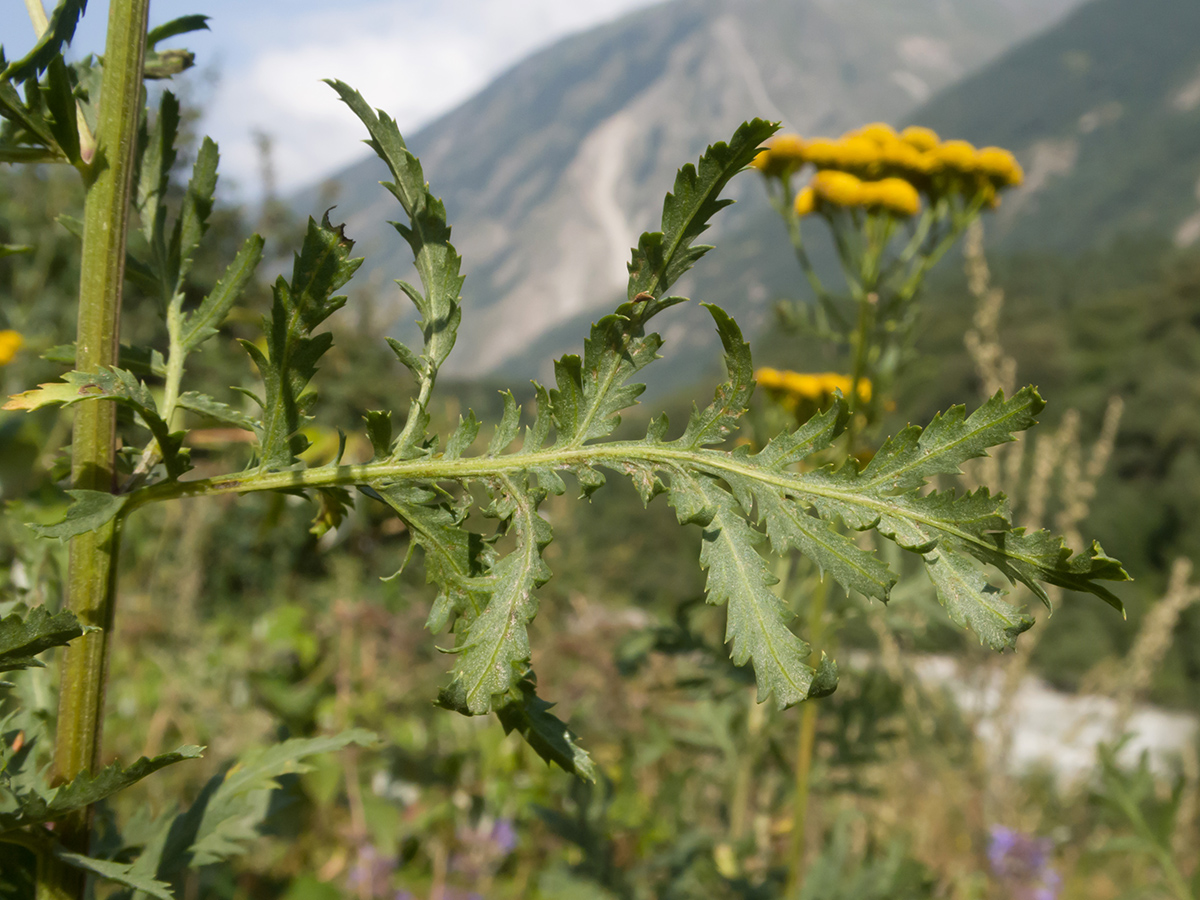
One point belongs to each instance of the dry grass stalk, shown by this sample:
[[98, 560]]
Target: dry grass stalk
[[1079, 483], [1016, 669], [997, 370], [1184, 838], [1059, 453], [1051, 452], [1154, 639]]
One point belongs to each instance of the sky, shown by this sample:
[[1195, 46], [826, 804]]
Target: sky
[[259, 69]]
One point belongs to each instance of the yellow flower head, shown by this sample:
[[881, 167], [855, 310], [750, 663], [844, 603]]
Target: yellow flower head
[[782, 154], [831, 382], [892, 194], [804, 385], [999, 165], [921, 138], [956, 156], [815, 387], [806, 202], [877, 132], [768, 377], [903, 157], [10, 343], [856, 153], [838, 188], [822, 153]]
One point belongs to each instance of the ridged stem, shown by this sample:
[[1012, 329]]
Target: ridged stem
[[91, 575]]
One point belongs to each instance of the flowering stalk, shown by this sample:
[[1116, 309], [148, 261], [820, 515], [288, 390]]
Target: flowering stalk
[[866, 185]]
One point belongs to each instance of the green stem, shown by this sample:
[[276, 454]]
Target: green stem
[[415, 412], [91, 576], [744, 778], [806, 740], [1160, 853], [176, 355], [858, 371], [784, 206]]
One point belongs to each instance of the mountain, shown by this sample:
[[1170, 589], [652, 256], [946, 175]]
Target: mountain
[[550, 174], [1104, 112]]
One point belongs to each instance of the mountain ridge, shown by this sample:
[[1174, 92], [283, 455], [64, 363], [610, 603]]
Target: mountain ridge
[[550, 174]]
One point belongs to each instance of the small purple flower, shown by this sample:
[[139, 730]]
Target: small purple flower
[[1001, 844], [504, 836], [483, 847], [1021, 862], [372, 872]]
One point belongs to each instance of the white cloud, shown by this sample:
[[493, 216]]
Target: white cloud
[[414, 59]]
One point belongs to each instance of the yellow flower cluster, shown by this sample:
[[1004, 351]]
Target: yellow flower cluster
[[894, 195], [815, 386], [10, 343], [889, 168]]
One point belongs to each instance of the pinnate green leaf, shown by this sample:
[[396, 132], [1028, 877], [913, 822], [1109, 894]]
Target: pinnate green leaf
[[817, 434], [457, 560], [905, 461], [462, 438], [61, 31], [23, 637], [290, 361], [972, 603], [790, 526], [231, 809], [949, 529], [549, 736], [86, 789], [427, 233], [125, 874], [60, 102], [510, 424], [200, 325], [590, 393], [153, 177], [379, 430], [174, 28], [120, 386], [721, 418], [90, 511], [662, 257], [215, 409], [738, 578], [493, 649], [219, 825], [194, 212]]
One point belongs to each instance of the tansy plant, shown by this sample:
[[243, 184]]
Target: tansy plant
[[745, 504], [893, 204]]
